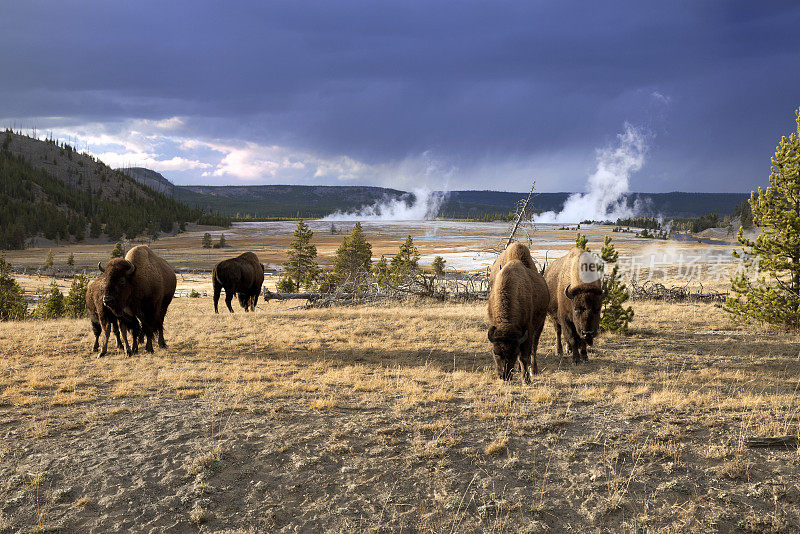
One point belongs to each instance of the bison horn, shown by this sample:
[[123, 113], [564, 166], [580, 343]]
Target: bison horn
[[131, 269], [567, 292], [524, 338], [100, 266]]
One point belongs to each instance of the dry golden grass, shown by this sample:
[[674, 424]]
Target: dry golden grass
[[389, 417]]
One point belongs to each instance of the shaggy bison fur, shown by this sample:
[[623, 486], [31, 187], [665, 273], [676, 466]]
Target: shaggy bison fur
[[141, 285], [575, 305], [103, 320], [518, 299], [242, 276]]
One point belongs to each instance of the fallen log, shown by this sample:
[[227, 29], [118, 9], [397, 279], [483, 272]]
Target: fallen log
[[771, 441]]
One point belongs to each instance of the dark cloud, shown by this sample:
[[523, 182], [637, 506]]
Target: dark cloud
[[716, 82]]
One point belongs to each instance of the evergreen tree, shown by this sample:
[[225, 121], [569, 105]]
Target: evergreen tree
[[12, 304], [286, 285], [206, 240], [614, 316], [117, 252], [49, 260], [71, 259], [222, 241], [301, 266], [52, 306], [438, 265], [75, 304], [581, 241], [353, 259], [405, 261], [381, 271], [774, 296]]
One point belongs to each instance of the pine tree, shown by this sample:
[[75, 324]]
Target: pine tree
[[353, 259], [581, 241], [405, 261], [381, 271], [206, 240], [52, 306], [614, 316], [71, 259], [222, 241], [774, 296], [438, 265], [49, 260], [117, 251], [75, 304], [12, 304], [301, 266]]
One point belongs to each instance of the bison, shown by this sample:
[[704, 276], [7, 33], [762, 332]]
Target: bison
[[242, 276], [103, 320], [141, 285], [576, 298], [518, 299]]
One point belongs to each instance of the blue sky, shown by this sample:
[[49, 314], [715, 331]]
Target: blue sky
[[456, 95]]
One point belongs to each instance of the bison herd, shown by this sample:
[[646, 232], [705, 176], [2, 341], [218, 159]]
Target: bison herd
[[133, 294], [569, 291]]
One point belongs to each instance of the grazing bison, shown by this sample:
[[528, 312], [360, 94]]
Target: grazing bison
[[576, 297], [518, 300], [242, 276], [103, 320], [141, 285]]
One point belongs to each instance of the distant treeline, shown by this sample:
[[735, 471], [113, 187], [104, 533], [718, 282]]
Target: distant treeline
[[32, 202]]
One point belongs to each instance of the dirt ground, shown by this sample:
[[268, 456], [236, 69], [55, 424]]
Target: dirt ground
[[388, 419]]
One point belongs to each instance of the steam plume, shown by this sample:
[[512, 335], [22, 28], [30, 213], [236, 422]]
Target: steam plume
[[605, 199], [423, 205]]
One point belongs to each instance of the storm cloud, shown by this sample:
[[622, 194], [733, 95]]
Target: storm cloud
[[491, 93]]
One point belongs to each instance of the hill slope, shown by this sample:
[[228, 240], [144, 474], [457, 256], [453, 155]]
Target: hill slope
[[152, 179], [50, 190]]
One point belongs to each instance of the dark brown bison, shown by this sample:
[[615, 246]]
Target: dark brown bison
[[576, 298], [103, 320], [242, 276], [142, 286], [518, 301]]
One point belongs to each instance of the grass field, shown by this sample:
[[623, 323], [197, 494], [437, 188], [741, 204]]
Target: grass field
[[389, 418]]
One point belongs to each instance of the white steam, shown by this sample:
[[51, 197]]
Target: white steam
[[424, 205], [605, 199]]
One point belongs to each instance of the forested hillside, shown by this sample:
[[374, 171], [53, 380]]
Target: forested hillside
[[49, 190]]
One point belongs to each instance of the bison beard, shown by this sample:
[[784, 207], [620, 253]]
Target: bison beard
[[241, 276]]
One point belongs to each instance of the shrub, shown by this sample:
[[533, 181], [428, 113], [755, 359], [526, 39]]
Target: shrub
[[438, 265], [12, 304], [75, 305], [117, 251], [52, 306]]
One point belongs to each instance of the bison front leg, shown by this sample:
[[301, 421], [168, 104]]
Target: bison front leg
[[572, 340], [525, 360], [583, 350], [107, 333], [115, 326], [161, 342]]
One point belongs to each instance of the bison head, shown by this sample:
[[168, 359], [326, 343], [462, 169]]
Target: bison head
[[119, 284], [505, 348], [587, 300]]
